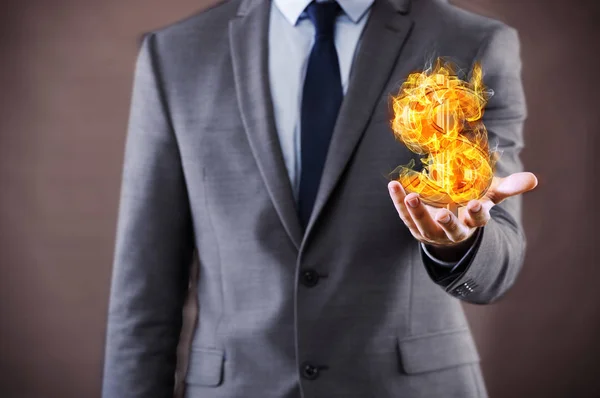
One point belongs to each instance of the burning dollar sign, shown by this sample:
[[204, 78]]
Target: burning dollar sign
[[438, 115]]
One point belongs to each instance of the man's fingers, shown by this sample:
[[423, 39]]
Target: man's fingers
[[446, 227], [428, 228], [454, 229], [397, 194], [477, 214], [512, 185]]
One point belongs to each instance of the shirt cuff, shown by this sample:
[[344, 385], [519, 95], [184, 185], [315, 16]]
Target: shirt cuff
[[438, 261], [444, 269]]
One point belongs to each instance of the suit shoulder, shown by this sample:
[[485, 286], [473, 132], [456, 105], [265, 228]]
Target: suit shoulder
[[212, 20], [205, 31], [454, 20]]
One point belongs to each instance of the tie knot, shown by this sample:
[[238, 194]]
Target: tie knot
[[323, 16]]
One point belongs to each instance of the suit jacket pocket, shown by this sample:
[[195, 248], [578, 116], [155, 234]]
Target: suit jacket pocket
[[437, 351], [205, 367]]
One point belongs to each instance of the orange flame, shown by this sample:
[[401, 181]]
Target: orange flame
[[439, 115]]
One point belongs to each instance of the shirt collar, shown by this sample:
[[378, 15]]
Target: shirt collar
[[292, 9]]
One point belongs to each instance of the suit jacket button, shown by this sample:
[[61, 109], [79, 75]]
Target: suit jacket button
[[309, 278], [309, 371]]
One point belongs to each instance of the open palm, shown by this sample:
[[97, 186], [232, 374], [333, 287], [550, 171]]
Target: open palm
[[442, 227]]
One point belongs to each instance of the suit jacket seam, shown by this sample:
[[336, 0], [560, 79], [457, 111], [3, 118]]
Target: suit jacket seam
[[434, 334]]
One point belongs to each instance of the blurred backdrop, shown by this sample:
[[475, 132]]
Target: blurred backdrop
[[66, 69]]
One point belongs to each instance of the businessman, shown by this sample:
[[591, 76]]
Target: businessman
[[259, 141]]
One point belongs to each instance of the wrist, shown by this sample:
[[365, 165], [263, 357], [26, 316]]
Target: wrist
[[454, 252]]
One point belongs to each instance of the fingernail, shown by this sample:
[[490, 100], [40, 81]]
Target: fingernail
[[413, 202], [444, 219], [393, 188], [476, 208]]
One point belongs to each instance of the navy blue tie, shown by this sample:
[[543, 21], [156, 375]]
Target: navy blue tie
[[321, 99]]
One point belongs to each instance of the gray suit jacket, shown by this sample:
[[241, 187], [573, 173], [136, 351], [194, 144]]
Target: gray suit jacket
[[347, 309]]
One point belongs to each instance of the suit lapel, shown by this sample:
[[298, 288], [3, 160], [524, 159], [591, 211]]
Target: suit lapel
[[249, 51], [385, 33]]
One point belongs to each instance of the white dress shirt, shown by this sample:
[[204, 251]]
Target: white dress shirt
[[291, 37]]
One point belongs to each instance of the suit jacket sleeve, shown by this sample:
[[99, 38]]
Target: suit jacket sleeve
[[493, 266], [154, 247]]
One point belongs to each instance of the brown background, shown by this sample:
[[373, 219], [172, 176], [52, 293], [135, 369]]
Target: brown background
[[65, 82]]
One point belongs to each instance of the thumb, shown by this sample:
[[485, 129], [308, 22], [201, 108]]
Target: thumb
[[512, 185]]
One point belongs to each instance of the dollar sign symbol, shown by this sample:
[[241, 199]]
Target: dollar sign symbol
[[438, 115]]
